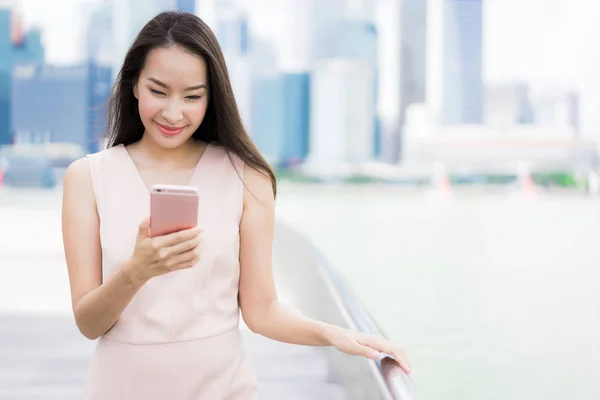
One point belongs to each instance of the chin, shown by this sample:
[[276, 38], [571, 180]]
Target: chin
[[170, 142]]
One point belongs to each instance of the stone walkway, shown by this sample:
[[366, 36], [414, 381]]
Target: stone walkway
[[46, 358]]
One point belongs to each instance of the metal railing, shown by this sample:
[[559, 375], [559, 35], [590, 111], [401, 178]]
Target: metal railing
[[393, 382]]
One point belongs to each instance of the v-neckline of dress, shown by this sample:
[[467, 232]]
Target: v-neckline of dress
[[140, 178]]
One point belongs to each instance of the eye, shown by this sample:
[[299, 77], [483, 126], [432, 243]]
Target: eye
[[194, 97], [156, 92]]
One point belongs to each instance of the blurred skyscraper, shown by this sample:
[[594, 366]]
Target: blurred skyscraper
[[129, 17], [325, 23], [266, 128], [187, 6], [16, 46], [455, 59], [266, 121], [463, 56], [413, 58], [99, 35], [343, 95], [281, 115], [402, 65], [232, 29], [29, 49], [5, 73], [240, 74], [508, 104], [342, 113], [295, 116], [555, 106], [312, 32], [60, 104], [389, 73], [357, 39], [281, 86]]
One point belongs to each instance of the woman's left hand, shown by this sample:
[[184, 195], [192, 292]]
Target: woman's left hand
[[370, 346]]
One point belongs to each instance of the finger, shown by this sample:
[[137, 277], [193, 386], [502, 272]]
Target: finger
[[186, 264], [183, 246], [176, 237], [381, 344], [368, 352], [358, 349], [402, 359], [377, 343], [189, 257], [144, 227]]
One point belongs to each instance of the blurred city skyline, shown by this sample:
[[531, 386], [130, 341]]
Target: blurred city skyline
[[336, 85], [534, 40]]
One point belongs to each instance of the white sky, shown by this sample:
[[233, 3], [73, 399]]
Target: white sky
[[61, 23]]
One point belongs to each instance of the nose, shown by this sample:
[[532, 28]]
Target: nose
[[172, 112]]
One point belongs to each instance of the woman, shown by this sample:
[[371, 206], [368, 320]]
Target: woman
[[165, 309]]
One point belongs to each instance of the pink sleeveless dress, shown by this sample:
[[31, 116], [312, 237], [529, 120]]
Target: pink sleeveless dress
[[178, 339]]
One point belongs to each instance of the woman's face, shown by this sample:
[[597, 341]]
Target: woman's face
[[172, 92]]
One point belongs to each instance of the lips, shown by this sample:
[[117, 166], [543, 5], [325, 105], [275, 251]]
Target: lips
[[169, 130]]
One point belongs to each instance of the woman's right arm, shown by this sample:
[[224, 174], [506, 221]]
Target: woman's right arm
[[96, 305]]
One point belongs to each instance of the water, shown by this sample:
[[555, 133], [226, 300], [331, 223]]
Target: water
[[494, 296]]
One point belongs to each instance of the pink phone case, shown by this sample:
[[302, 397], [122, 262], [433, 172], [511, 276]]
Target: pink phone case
[[172, 209]]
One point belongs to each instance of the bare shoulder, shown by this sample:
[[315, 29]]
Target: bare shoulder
[[258, 188], [78, 174], [78, 169], [77, 183]]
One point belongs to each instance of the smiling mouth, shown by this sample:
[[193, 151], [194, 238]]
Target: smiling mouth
[[169, 130]]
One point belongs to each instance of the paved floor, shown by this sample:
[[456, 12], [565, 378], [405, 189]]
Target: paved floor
[[43, 356], [46, 358]]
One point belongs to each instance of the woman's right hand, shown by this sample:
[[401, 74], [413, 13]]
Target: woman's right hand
[[154, 256]]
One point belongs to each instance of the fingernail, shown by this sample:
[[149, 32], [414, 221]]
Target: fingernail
[[374, 354]]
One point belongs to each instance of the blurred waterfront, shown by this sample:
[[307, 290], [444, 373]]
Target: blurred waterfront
[[494, 295]]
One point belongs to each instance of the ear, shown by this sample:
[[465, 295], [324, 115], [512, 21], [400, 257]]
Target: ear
[[135, 90]]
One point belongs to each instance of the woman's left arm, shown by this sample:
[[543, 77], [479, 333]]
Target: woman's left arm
[[261, 309]]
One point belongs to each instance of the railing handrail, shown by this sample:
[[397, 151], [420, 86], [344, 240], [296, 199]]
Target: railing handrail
[[392, 380]]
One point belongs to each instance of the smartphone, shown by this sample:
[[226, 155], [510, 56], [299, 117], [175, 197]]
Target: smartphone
[[172, 208]]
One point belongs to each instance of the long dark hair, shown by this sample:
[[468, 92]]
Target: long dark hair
[[222, 122]]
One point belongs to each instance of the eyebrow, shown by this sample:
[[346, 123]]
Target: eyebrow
[[164, 85]]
